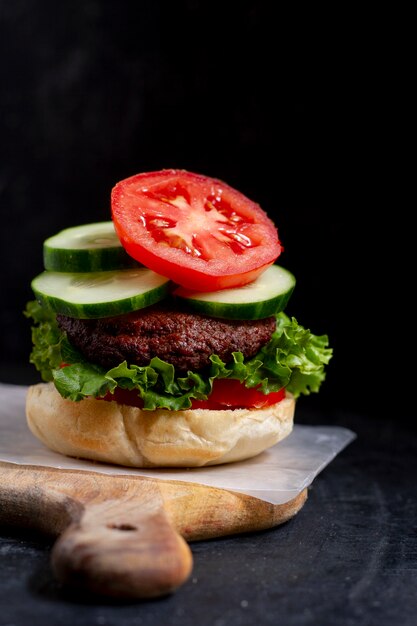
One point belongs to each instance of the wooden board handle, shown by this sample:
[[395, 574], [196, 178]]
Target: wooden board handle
[[122, 536], [122, 550]]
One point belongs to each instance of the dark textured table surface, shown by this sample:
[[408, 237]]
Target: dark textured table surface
[[349, 557]]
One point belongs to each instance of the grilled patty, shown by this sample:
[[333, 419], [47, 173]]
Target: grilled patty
[[184, 339]]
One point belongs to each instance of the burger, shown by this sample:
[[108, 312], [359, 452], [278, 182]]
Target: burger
[[161, 335]]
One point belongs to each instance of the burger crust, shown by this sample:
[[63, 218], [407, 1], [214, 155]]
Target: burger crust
[[125, 435]]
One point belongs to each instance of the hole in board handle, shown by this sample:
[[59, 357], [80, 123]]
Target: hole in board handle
[[121, 527]]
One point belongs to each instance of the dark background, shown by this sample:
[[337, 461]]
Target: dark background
[[282, 107]]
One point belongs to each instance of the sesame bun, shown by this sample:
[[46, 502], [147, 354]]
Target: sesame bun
[[125, 435]]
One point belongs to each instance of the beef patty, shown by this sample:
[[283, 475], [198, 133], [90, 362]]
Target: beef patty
[[184, 339]]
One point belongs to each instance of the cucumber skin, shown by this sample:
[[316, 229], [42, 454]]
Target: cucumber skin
[[244, 311], [101, 259], [103, 309]]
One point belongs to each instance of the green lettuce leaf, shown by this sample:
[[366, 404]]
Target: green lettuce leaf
[[46, 338], [294, 358]]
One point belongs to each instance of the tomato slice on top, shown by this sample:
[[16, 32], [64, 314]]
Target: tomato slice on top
[[196, 230]]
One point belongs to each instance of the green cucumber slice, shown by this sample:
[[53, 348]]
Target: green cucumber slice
[[266, 295], [86, 248], [99, 294]]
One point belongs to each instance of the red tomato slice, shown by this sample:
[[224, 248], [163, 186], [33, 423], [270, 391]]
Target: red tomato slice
[[124, 396], [226, 394], [197, 231], [232, 394]]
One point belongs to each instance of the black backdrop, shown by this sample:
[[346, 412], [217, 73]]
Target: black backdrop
[[276, 105]]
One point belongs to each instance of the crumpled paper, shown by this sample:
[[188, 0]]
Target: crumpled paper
[[277, 475]]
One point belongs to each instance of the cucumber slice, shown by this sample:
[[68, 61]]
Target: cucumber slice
[[266, 295], [99, 294], [87, 248]]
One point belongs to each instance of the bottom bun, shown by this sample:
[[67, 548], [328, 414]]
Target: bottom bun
[[125, 435]]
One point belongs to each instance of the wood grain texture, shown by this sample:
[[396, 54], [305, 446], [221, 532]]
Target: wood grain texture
[[125, 536]]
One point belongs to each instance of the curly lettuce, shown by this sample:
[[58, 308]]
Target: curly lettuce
[[294, 358]]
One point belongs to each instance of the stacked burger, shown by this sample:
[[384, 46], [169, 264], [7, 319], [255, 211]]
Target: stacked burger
[[161, 335]]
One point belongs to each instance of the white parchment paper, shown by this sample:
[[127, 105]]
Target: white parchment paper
[[277, 475]]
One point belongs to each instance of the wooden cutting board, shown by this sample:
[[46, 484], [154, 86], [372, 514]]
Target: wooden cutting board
[[126, 536]]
